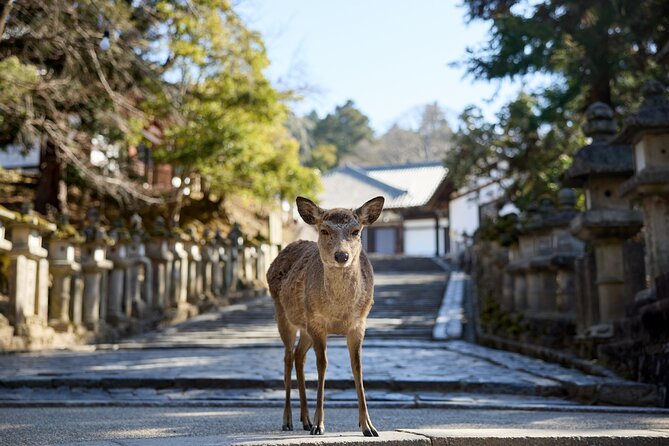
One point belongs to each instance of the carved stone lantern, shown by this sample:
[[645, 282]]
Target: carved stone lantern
[[179, 280], [162, 260], [141, 293], [29, 272], [119, 300], [648, 132], [600, 168], [192, 247], [95, 266], [64, 267]]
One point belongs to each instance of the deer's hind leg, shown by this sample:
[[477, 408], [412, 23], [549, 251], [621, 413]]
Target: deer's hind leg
[[300, 355], [288, 334]]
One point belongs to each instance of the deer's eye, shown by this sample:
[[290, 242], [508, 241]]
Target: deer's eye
[[355, 232], [324, 232]]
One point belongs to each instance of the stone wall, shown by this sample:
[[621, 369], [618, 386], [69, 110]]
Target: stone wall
[[593, 283], [64, 286]]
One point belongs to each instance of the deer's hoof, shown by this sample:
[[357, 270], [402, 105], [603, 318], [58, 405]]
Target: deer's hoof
[[287, 427], [317, 430], [307, 426], [371, 432]]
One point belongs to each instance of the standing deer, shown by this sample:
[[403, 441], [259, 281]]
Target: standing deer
[[324, 288]]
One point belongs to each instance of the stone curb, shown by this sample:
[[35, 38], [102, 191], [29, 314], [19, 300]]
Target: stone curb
[[235, 383], [417, 437], [333, 404]]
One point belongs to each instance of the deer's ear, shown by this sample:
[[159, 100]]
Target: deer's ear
[[309, 211], [370, 211]]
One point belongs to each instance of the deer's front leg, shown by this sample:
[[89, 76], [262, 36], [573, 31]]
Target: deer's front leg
[[319, 339], [354, 342]]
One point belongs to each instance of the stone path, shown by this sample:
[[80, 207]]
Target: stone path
[[220, 426], [233, 355]]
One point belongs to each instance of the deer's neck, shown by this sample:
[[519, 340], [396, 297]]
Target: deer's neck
[[340, 280]]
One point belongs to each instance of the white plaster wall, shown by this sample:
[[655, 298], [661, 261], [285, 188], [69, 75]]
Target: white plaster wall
[[419, 237], [464, 213]]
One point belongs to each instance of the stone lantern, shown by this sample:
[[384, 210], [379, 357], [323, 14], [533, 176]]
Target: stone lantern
[[63, 266], [648, 132], [219, 267], [232, 269], [179, 280], [119, 300], [541, 277], [162, 259], [565, 249], [194, 260], [95, 266], [600, 168], [29, 273], [210, 261], [140, 266]]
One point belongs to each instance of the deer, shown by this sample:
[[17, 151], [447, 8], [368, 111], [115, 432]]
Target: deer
[[321, 288]]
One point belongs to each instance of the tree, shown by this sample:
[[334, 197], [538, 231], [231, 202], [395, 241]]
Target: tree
[[227, 116], [344, 128], [598, 50], [519, 149], [74, 73], [589, 50], [427, 140], [434, 131], [60, 88]]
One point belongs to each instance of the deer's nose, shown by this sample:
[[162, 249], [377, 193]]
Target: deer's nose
[[341, 257]]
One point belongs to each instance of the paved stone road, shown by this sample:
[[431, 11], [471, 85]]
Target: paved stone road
[[207, 426], [234, 355], [217, 379]]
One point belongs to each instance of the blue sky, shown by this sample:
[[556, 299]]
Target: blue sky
[[389, 56]]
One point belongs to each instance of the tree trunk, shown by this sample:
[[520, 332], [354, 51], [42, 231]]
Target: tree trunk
[[4, 14], [51, 187]]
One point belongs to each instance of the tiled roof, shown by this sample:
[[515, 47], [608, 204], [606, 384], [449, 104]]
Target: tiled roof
[[402, 185]]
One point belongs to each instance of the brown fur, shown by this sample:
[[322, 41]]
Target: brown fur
[[317, 295]]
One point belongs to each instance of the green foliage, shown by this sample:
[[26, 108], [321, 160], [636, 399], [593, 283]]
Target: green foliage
[[192, 67], [229, 117], [344, 128], [523, 147], [496, 321], [323, 157], [600, 50], [589, 51], [502, 229], [347, 131], [428, 139]]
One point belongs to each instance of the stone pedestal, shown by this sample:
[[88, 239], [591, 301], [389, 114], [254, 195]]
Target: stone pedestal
[[29, 274], [599, 169], [63, 267]]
